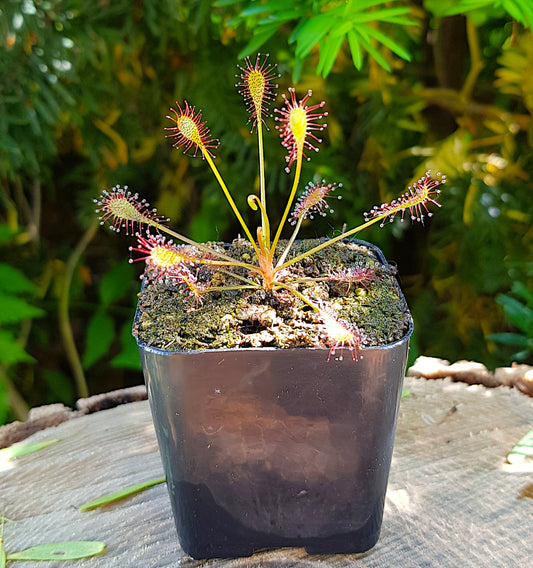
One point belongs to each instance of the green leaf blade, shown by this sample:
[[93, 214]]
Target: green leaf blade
[[260, 38], [390, 43], [312, 32], [11, 350], [519, 315], [74, 550], [13, 280], [121, 494], [522, 452], [14, 309], [355, 50], [21, 450], [111, 288], [100, 335], [328, 55]]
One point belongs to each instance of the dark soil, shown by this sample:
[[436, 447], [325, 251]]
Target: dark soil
[[168, 318]]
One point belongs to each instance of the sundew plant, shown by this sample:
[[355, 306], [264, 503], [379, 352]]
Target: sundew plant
[[196, 269]]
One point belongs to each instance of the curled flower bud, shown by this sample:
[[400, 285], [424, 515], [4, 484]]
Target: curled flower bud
[[189, 130], [313, 200], [298, 124], [415, 199], [124, 210]]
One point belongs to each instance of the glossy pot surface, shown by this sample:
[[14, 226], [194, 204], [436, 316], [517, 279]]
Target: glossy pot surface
[[269, 448]]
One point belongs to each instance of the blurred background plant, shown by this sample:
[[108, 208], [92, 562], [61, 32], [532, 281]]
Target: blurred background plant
[[410, 85]]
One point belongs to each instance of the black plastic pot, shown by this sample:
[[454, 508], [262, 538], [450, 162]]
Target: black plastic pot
[[267, 448]]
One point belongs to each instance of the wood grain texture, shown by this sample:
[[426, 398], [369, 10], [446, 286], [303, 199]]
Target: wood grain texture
[[452, 500]]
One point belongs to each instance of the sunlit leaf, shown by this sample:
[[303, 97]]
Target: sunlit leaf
[[328, 54], [262, 7], [24, 449], [261, 37], [390, 43], [365, 41], [118, 495], [60, 551], [523, 451], [355, 50], [3, 557], [311, 32]]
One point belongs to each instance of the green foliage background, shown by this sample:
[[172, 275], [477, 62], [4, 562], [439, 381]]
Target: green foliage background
[[410, 85]]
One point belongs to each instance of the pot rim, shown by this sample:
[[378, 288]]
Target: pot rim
[[388, 346]]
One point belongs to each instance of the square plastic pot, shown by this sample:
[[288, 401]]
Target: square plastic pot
[[267, 448]]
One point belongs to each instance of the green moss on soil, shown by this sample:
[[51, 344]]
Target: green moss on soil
[[169, 319]]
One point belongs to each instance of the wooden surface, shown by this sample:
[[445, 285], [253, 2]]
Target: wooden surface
[[452, 499]]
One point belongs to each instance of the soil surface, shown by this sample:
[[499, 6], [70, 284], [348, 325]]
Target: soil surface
[[169, 318]]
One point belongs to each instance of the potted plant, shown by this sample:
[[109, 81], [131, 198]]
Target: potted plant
[[269, 436]]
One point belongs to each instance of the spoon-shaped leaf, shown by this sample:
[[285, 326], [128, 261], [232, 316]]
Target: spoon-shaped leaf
[[60, 551], [117, 495]]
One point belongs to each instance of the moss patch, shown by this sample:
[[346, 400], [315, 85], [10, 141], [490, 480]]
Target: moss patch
[[169, 319]]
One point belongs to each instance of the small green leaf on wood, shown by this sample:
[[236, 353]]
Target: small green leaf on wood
[[3, 557], [60, 551], [24, 449], [522, 453], [117, 495], [405, 393]]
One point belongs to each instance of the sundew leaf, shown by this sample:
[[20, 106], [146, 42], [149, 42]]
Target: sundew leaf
[[118, 495], [74, 550], [523, 451], [24, 449]]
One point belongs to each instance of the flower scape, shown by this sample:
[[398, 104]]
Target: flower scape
[[262, 290]]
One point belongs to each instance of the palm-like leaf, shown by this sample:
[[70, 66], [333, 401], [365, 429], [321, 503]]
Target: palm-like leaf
[[319, 24]]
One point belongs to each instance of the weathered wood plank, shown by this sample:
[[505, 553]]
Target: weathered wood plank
[[452, 501]]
